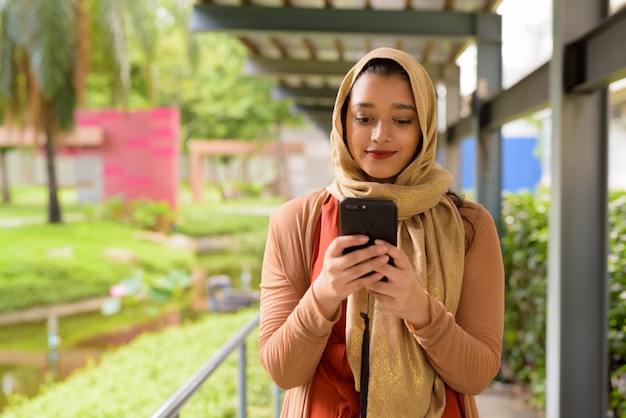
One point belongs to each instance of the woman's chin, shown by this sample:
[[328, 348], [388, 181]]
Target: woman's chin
[[380, 177]]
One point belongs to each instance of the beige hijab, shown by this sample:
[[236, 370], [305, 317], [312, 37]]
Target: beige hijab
[[402, 382]]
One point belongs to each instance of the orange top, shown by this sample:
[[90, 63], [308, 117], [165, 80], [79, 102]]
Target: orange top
[[332, 392]]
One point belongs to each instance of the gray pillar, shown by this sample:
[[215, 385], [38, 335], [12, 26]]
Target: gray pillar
[[453, 164], [577, 375], [488, 143], [452, 81]]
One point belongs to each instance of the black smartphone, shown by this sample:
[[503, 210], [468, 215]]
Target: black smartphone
[[376, 218]]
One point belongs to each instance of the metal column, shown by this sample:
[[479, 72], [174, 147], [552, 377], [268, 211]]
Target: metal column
[[488, 143], [577, 374], [452, 149]]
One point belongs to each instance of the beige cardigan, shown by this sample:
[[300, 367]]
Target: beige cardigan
[[465, 350]]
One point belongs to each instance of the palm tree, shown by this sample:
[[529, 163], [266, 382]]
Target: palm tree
[[44, 61]]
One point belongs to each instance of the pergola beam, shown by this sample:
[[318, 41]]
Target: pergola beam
[[300, 67], [593, 61], [316, 111], [597, 58], [306, 95], [286, 67], [522, 99], [305, 92], [354, 22]]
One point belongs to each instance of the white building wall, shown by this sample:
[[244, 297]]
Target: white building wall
[[311, 170], [29, 167], [617, 154]]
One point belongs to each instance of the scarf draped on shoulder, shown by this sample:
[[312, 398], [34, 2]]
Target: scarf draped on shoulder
[[402, 382]]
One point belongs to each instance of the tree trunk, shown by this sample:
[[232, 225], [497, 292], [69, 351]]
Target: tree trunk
[[4, 174], [54, 208]]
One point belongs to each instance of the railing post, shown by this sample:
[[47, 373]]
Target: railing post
[[277, 401], [243, 402], [172, 406]]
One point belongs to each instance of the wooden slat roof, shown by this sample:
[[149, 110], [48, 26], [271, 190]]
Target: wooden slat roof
[[308, 45]]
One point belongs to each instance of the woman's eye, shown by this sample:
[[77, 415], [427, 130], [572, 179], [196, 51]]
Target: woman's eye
[[362, 119], [403, 121]]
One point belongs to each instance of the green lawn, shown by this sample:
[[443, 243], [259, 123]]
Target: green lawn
[[43, 264]]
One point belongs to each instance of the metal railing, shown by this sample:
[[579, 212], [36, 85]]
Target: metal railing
[[172, 407]]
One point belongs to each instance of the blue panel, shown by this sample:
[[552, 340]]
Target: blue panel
[[521, 168], [468, 163], [440, 156]]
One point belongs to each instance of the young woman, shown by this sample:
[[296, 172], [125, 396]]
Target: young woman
[[435, 325]]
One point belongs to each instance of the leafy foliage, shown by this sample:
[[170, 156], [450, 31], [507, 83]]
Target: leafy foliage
[[524, 241], [166, 290], [218, 100], [140, 213], [130, 32], [206, 81], [617, 301]]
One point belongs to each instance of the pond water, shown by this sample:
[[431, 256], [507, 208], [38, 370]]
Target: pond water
[[33, 353]]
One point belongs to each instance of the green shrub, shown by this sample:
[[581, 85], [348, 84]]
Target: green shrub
[[617, 301], [135, 380], [524, 242], [140, 213]]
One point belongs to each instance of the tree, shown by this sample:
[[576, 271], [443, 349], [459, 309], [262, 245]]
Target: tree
[[216, 98], [45, 48]]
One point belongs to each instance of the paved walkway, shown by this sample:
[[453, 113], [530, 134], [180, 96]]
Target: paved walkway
[[500, 401], [12, 222]]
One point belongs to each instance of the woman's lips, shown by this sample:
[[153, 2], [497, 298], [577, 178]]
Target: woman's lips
[[379, 155]]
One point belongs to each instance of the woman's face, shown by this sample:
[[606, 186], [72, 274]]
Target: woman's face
[[382, 128]]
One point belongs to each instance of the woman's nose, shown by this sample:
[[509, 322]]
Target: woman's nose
[[380, 133]]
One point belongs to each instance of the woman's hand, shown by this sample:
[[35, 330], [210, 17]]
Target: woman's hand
[[402, 293], [343, 274]]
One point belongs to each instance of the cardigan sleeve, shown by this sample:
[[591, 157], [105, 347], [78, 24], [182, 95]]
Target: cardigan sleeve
[[466, 350], [293, 331]]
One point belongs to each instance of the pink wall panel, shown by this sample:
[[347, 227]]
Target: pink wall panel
[[140, 152]]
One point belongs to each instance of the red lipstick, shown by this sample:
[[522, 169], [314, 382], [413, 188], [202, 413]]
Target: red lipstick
[[379, 154]]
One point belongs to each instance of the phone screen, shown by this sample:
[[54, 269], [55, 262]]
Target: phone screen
[[376, 218]]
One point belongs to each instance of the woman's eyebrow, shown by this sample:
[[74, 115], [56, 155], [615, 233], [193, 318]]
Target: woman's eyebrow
[[402, 106], [399, 106], [363, 104]]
